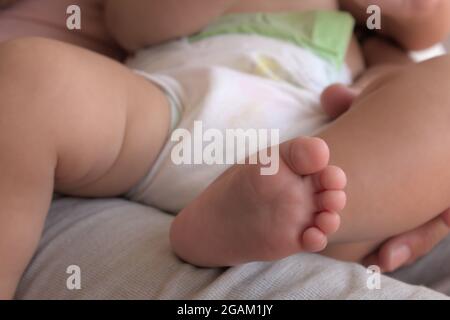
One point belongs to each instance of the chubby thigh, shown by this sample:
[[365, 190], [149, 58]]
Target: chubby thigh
[[73, 121], [104, 123]]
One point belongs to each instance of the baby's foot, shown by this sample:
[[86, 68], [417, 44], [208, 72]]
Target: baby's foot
[[244, 216]]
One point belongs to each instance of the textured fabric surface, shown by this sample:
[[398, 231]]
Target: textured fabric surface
[[123, 251]]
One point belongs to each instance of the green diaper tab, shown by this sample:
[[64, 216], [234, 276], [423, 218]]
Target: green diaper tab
[[326, 33]]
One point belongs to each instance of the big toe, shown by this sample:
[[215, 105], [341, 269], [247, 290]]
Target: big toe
[[306, 156]]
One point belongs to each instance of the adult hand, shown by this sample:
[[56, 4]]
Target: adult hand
[[404, 249]]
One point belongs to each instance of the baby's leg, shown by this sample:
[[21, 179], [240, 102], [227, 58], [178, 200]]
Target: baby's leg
[[393, 145], [382, 58], [70, 120]]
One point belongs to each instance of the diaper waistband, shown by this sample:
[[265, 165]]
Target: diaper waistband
[[326, 33]]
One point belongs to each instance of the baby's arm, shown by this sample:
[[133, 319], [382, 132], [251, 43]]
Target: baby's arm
[[139, 23], [414, 24]]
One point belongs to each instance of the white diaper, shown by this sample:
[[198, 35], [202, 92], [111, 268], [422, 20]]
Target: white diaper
[[230, 82]]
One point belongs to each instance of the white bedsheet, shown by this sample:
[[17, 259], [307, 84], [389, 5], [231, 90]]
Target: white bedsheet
[[123, 251]]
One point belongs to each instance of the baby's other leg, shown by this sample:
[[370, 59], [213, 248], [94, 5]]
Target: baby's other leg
[[70, 120], [393, 146]]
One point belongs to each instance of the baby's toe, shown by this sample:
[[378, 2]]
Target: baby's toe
[[314, 240], [328, 222], [332, 201], [337, 99], [331, 178], [305, 155]]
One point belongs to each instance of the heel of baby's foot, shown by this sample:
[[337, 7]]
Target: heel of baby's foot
[[187, 239]]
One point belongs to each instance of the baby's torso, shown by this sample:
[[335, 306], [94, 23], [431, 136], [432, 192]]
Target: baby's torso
[[282, 5]]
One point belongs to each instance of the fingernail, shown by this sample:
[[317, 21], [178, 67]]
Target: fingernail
[[399, 256]]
